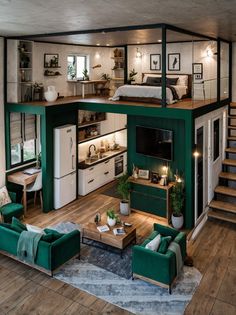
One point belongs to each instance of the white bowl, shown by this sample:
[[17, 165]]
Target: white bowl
[[50, 96]]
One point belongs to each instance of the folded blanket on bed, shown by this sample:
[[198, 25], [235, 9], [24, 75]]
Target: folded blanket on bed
[[175, 248], [173, 90], [27, 246]]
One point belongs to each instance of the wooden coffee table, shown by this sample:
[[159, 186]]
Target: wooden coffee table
[[117, 242]]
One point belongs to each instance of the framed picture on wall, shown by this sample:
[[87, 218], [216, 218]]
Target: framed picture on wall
[[155, 62], [174, 62], [51, 60], [197, 71]]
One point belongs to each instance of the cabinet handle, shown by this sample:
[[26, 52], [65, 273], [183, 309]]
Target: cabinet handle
[[107, 161], [91, 168], [90, 181], [106, 173]]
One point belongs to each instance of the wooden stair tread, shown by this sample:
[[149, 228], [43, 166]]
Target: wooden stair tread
[[223, 206], [228, 175], [226, 191], [229, 162], [231, 138], [230, 150], [231, 127], [222, 216]]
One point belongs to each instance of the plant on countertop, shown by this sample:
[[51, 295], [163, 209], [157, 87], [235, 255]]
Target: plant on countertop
[[123, 187], [177, 198], [106, 76], [85, 75]]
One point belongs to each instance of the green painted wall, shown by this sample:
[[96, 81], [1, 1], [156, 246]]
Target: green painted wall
[[182, 158]]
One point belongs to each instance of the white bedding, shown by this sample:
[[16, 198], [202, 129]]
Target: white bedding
[[148, 91]]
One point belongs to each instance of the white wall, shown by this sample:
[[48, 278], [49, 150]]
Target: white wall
[[234, 73], [97, 55], [2, 130]]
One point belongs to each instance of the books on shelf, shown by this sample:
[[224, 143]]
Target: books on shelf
[[103, 228], [119, 231]]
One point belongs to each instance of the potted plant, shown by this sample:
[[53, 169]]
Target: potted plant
[[85, 75], [132, 74], [111, 217], [106, 76], [177, 202], [123, 188]]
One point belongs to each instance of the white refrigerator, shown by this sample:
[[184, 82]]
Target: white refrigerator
[[64, 165]]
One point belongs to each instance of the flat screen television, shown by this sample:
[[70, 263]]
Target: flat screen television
[[154, 142]]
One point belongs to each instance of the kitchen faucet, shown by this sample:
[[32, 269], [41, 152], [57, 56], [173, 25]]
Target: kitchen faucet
[[89, 153]]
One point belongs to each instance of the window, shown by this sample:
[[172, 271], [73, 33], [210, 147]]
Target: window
[[23, 138], [75, 66]]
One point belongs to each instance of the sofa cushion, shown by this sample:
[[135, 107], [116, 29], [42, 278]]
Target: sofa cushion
[[17, 225], [4, 196], [154, 244], [55, 234], [164, 243], [6, 225]]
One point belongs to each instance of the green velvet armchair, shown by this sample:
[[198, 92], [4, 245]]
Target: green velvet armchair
[[12, 209], [153, 266]]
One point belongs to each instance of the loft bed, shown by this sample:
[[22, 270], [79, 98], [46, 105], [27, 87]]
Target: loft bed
[[178, 86]]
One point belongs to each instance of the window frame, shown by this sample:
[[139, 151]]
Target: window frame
[[86, 65]]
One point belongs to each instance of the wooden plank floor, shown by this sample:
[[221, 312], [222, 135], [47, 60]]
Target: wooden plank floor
[[24, 290]]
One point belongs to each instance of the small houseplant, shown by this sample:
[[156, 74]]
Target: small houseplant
[[132, 74], [177, 203], [111, 217], [85, 75], [123, 188]]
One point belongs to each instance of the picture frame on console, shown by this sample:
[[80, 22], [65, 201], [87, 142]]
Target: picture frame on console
[[174, 62], [155, 62], [143, 174]]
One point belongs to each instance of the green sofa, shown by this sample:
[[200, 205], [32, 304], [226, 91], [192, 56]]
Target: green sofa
[[50, 255], [156, 267]]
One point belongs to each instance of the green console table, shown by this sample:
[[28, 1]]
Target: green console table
[[150, 197]]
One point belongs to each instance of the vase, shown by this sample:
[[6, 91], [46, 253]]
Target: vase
[[111, 222], [51, 94], [124, 207]]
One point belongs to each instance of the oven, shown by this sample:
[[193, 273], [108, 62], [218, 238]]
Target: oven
[[119, 165]]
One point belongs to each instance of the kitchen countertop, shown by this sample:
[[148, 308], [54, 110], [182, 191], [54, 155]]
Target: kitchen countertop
[[109, 154]]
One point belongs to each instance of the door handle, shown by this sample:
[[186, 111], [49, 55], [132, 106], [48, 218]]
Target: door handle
[[107, 161], [89, 182], [106, 173], [91, 168], [73, 167]]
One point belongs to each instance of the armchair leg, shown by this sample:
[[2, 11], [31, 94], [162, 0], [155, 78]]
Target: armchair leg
[[35, 196], [41, 199], [170, 289], [132, 277]]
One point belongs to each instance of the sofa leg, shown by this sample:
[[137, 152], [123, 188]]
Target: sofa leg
[[132, 277], [78, 257], [170, 290]]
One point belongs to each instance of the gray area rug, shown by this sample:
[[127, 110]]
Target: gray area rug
[[107, 276], [135, 296]]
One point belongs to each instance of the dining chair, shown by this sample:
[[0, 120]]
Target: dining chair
[[35, 187]]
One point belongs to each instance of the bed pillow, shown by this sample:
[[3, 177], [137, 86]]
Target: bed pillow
[[171, 81], [153, 80], [154, 244], [4, 196], [182, 80]]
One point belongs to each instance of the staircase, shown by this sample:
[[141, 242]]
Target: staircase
[[223, 207]]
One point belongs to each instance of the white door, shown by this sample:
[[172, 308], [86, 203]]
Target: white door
[[64, 150], [215, 152]]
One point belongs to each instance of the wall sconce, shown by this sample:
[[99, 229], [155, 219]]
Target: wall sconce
[[138, 53], [195, 151]]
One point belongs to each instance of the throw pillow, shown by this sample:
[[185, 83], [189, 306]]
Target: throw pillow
[[171, 81], [56, 235], [165, 241], [49, 238], [4, 196], [154, 244], [153, 80], [17, 225], [33, 228]]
